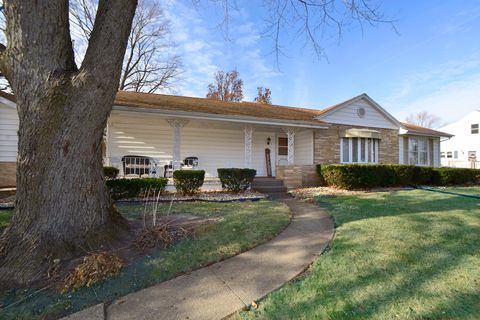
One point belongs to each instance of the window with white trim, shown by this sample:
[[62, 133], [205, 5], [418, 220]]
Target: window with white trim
[[449, 154], [359, 150], [418, 151]]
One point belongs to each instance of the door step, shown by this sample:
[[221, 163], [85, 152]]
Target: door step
[[268, 185]]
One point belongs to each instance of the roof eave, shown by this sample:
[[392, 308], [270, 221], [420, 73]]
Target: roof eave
[[221, 117]]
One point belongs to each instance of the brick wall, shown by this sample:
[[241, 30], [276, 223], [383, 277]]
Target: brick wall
[[7, 174], [327, 144], [295, 176]]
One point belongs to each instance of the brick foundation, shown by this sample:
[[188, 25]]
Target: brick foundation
[[7, 174]]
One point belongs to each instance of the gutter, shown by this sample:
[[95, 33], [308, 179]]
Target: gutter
[[205, 116]]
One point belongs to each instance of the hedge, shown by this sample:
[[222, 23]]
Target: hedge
[[110, 172], [362, 176], [236, 179], [188, 181], [130, 188]]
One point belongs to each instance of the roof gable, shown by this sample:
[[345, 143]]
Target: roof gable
[[349, 112]]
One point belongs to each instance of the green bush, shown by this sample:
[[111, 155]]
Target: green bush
[[188, 181], [110, 172], [448, 176], [362, 176], [130, 188], [236, 179]]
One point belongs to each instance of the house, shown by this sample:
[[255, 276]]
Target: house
[[463, 150], [155, 134]]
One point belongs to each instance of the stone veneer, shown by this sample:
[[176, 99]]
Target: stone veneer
[[7, 174], [327, 144]]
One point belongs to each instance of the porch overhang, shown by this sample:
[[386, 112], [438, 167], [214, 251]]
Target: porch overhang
[[225, 118]]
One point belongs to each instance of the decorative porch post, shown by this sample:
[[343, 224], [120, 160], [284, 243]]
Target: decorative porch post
[[248, 146], [291, 144], [177, 126]]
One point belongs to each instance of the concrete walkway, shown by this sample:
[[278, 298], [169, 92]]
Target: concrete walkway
[[221, 289]]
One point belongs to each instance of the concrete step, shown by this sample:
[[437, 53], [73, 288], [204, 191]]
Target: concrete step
[[270, 189], [268, 182]]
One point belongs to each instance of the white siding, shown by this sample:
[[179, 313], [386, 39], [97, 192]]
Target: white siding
[[400, 150], [8, 133], [436, 152], [304, 147], [463, 141], [348, 115], [216, 146]]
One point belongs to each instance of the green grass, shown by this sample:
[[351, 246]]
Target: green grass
[[5, 217], [400, 255], [242, 226]]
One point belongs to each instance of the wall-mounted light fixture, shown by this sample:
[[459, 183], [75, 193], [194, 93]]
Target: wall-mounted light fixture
[[268, 140]]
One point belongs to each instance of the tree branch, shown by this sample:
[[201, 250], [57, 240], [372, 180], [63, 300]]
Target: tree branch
[[109, 39]]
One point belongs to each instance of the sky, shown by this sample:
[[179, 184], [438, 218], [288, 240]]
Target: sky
[[429, 61]]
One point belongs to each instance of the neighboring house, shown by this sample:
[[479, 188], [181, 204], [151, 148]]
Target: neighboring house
[[463, 150], [154, 133]]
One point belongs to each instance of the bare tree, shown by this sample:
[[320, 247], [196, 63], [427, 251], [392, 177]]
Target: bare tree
[[424, 119], [62, 205], [317, 21], [149, 64], [228, 86], [264, 95]]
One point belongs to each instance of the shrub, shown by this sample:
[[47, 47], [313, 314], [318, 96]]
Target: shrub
[[236, 179], [446, 176], [188, 181], [359, 176], [110, 172], [129, 188]]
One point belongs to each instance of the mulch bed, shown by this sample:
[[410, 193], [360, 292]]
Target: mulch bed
[[7, 198]]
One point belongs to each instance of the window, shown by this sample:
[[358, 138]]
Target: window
[[449, 154], [359, 150], [472, 155], [418, 151], [282, 146], [455, 154], [474, 128], [442, 154]]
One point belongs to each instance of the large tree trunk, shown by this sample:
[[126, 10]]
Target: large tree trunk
[[62, 207]]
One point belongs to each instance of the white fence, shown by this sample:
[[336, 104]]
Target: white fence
[[464, 164]]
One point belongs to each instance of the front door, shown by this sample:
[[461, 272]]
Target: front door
[[282, 150]]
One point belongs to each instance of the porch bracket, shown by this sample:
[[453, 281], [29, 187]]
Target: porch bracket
[[248, 146], [291, 144], [177, 125]]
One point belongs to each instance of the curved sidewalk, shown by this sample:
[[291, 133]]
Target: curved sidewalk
[[219, 290]]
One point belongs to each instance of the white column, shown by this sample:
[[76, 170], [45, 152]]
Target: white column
[[248, 146], [291, 144], [177, 126]]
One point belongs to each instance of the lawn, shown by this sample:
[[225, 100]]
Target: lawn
[[396, 255], [5, 217], [242, 225]]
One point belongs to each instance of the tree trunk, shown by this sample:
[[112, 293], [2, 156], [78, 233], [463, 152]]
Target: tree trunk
[[62, 206], [62, 203]]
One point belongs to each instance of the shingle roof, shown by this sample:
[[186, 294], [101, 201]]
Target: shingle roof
[[422, 130], [252, 109], [7, 96], [189, 104]]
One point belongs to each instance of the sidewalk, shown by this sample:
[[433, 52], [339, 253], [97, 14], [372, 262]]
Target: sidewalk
[[221, 289]]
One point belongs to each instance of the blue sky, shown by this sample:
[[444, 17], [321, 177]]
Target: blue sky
[[432, 64]]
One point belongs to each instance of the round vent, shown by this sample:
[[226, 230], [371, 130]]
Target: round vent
[[361, 112]]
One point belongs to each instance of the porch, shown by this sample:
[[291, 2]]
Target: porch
[[154, 145]]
